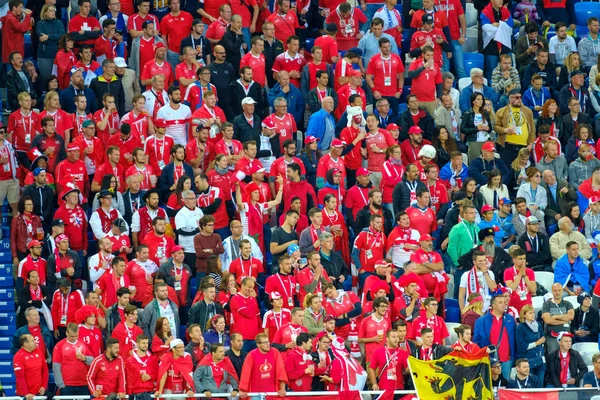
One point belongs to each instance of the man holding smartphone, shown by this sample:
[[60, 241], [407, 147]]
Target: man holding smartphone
[[528, 45]]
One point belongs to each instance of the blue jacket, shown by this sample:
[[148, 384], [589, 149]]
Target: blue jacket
[[67, 100], [295, 102], [54, 28], [316, 128], [465, 97], [527, 336], [167, 179], [478, 166], [483, 327], [46, 334], [579, 273], [446, 173], [530, 100]]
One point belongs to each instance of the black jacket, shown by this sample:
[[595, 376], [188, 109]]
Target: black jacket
[[401, 194], [15, 85], [243, 131], [237, 93], [568, 127], [26, 302], [199, 313], [237, 361], [232, 43], [425, 123], [362, 219], [221, 75], [558, 124], [141, 203], [101, 86], [592, 322], [467, 124], [502, 261], [439, 351], [335, 267], [314, 103], [167, 179], [270, 52], [450, 220], [43, 202], [112, 319], [565, 93], [535, 258], [577, 367], [562, 206]]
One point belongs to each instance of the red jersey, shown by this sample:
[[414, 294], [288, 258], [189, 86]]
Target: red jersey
[[285, 25], [285, 62], [151, 68], [109, 284], [62, 122], [258, 67], [423, 220], [73, 370], [135, 22], [435, 323], [296, 362], [279, 168], [304, 277], [74, 172], [29, 264], [330, 49], [137, 366], [285, 285], [31, 372], [385, 72], [349, 26], [107, 168], [220, 215], [381, 139], [453, 10], [23, 128], [439, 195], [95, 158], [326, 163], [371, 246], [245, 316], [216, 30], [175, 29], [521, 296], [77, 121], [202, 114], [439, 19], [145, 173], [370, 327], [126, 337], [223, 182], [138, 123], [127, 146], [243, 268], [242, 8], [287, 334], [389, 365], [424, 85], [284, 126], [80, 23], [357, 198], [92, 337], [207, 150], [422, 38], [183, 70], [106, 375], [211, 7], [76, 225], [230, 149], [114, 122], [353, 159], [159, 246], [343, 304], [158, 152], [138, 273], [64, 308], [344, 93]]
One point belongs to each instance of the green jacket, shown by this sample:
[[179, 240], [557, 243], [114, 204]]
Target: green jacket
[[461, 239]]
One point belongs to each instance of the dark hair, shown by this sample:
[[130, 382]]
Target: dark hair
[[106, 183], [110, 341], [492, 174], [451, 145], [22, 203], [179, 188], [531, 27], [571, 243], [147, 22], [353, 98], [474, 96], [172, 89], [477, 253], [123, 291], [376, 21], [302, 338], [158, 328], [108, 21], [383, 41], [293, 37], [45, 121], [294, 167], [212, 265], [578, 222]]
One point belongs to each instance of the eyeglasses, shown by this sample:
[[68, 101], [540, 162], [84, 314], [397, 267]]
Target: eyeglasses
[[285, 105], [189, 198], [516, 96], [537, 176]]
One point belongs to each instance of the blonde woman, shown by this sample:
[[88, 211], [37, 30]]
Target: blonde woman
[[572, 63], [530, 343], [518, 169], [49, 31], [473, 310]]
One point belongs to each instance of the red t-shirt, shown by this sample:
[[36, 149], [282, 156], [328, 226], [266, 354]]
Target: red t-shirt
[[284, 126], [285, 25], [126, 146], [330, 48], [274, 321], [175, 28], [135, 22], [504, 347], [151, 68], [424, 85], [62, 122], [183, 70], [385, 73], [113, 123], [453, 9], [435, 323], [79, 23], [371, 249], [23, 129], [158, 152], [216, 30], [424, 221], [312, 77], [370, 327], [521, 296], [211, 7], [390, 364], [348, 27], [421, 38], [382, 139], [258, 67], [284, 62], [242, 8]]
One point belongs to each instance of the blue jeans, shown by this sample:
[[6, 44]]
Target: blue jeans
[[491, 62], [173, 59], [506, 368], [458, 60], [539, 371], [246, 33], [390, 206]]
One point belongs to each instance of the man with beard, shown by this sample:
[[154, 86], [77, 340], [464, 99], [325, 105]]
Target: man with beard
[[374, 207], [298, 187], [390, 364], [176, 116], [407, 306], [216, 373], [170, 174], [141, 171], [412, 147], [140, 271], [479, 279], [68, 96], [402, 240], [333, 160], [194, 94], [159, 244], [369, 246], [244, 87], [405, 192], [142, 370], [210, 115], [415, 117], [141, 222], [422, 216], [175, 371], [430, 268], [515, 126], [100, 262], [102, 219], [497, 259], [127, 143], [161, 306], [536, 245], [106, 375], [157, 66]]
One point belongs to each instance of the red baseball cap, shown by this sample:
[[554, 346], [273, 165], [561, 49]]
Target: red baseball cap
[[176, 248], [353, 72], [487, 208], [337, 143], [256, 168], [73, 147], [425, 237], [362, 172], [160, 123], [488, 146], [393, 127], [310, 139], [33, 243], [415, 129]]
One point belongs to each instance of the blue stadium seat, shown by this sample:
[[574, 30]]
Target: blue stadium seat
[[7, 304], [6, 270], [28, 46], [452, 314], [7, 282], [581, 30], [473, 60], [309, 44], [404, 95], [402, 107], [584, 10]]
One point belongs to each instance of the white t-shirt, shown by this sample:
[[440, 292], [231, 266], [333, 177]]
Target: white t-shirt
[[483, 286], [561, 49], [177, 122]]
